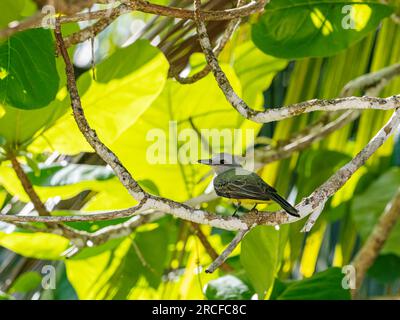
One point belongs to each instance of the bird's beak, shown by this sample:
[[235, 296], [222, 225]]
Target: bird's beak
[[205, 161]]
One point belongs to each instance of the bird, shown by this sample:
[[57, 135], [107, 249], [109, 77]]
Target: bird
[[243, 186]]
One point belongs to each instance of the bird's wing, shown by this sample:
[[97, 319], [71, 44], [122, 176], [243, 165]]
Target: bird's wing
[[249, 186]]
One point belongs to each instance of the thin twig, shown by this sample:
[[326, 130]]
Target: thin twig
[[208, 247], [301, 142], [230, 29], [93, 30], [371, 80], [228, 250]]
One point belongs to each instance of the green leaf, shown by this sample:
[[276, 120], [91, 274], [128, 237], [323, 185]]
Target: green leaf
[[227, 288], [38, 245], [160, 141], [124, 88], [255, 71], [18, 127], [29, 78], [325, 285], [104, 275], [13, 10], [325, 162], [386, 268], [368, 206], [315, 28], [112, 274], [26, 282], [261, 255], [112, 195]]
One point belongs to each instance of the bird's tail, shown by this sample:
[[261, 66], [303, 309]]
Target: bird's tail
[[285, 205]]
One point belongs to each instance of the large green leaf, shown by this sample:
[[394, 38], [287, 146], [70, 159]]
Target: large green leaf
[[261, 255], [18, 127], [112, 274], [386, 268], [255, 71], [315, 28], [325, 285], [325, 162], [126, 84], [368, 206], [35, 245], [29, 78], [168, 117]]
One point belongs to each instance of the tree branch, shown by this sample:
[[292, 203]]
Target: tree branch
[[28, 188], [183, 211], [142, 6], [224, 255], [283, 112], [208, 247], [372, 247], [371, 80], [302, 142], [230, 29], [93, 30], [335, 182], [90, 135]]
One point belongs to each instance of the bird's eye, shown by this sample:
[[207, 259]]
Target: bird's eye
[[222, 161]]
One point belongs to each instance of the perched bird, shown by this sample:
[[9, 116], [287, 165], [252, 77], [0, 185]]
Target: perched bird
[[243, 186]]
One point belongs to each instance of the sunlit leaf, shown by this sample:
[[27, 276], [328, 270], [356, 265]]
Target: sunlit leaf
[[315, 28], [255, 71], [112, 274], [35, 245], [124, 88]]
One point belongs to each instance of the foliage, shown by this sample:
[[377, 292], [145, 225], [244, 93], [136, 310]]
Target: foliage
[[293, 51], [315, 28]]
